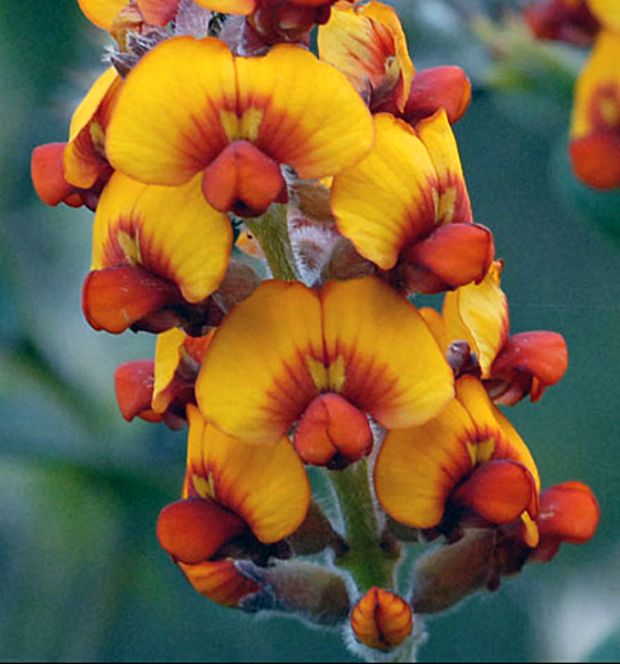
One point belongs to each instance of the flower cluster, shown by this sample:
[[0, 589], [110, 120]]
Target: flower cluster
[[595, 124], [270, 214]]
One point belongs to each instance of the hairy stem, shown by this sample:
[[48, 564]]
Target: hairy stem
[[271, 231], [366, 560]]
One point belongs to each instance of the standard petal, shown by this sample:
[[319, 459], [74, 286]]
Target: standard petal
[[389, 198], [167, 125], [382, 356], [265, 364], [418, 468], [318, 131], [381, 619], [265, 485], [133, 226]]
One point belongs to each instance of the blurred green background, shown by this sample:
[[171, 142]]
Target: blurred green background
[[81, 574]]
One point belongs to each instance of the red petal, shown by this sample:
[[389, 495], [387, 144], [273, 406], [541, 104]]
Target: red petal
[[48, 175], [596, 160], [242, 179], [499, 491], [568, 512], [116, 298], [133, 383], [192, 530], [452, 256], [332, 431], [439, 87]]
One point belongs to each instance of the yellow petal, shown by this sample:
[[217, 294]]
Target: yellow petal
[[101, 12], [391, 364], [388, 199], [266, 485], [133, 226], [167, 123], [243, 7], [317, 129], [607, 12], [597, 92], [167, 356], [437, 135], [417, 468], [256, 379], [478, 314]]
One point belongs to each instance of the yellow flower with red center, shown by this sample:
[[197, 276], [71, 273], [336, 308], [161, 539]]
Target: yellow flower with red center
[[327, 356], [235, 121], [381, 619], [76, 171], [468, 459], [405, 207], [475, 319], [145, 269], [595, 126], [252, 494]]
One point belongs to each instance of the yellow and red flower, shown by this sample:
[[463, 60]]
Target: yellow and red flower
[[235, 121], [234, 492], [475, 320], [146, 272], [75, 172], [325, 357], [468, 460], [405, 207]]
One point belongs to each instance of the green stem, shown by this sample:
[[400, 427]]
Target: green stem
[[271, 231], [367, 561]]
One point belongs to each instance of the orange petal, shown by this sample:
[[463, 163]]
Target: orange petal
[[499, 491], [596, 160], [569, 512], [317, 131], [101, 12], [265, 485], [133, 383], [220, 581], [47, 172], [478, 314], [193, 529], [418, 468], [381, 355], [388, 199], [167, 359], [436, 134], [381, 620], [132, 227], [167, 124], [541, 356], [242, 179], [367, 44], [116, 298], [332, 432], [452, 256], [243, 7], [256, 379], [444, 87]]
